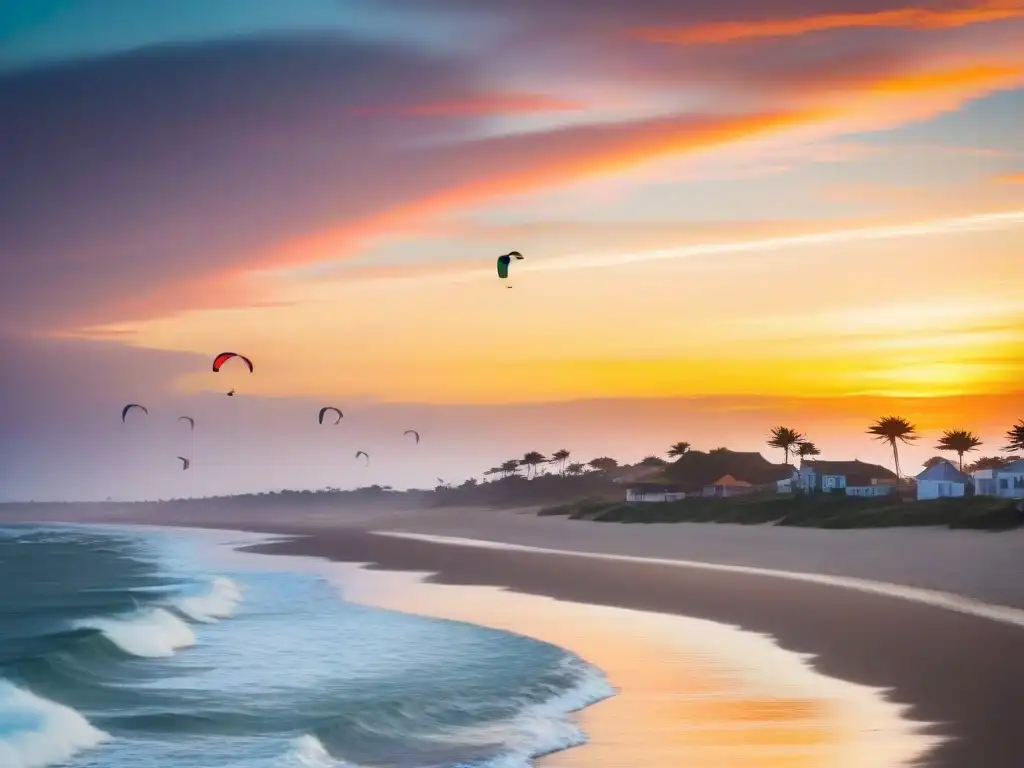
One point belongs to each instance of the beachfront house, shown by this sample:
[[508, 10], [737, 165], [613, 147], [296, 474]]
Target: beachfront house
[[726, 486], [653, 492], [1007, 482], [942, 480], [854, 478]]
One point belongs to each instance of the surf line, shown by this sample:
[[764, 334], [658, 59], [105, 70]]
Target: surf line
[[938, 599]]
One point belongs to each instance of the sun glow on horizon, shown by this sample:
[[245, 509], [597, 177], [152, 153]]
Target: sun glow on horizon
[[862, 317]]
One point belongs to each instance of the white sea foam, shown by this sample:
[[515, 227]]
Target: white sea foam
[[149, 633], [220, 602], [309, 752], [544, 727], [35, 732]]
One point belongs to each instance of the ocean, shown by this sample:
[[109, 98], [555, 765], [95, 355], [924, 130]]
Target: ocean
[[122, 648]]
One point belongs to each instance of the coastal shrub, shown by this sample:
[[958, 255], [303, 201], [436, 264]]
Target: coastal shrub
[[821, 510]]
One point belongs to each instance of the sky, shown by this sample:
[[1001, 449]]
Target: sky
[[734, 216]]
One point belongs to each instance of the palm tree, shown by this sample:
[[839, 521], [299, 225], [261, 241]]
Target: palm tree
[[559, 457], [719, 449], [893, 429], [959, 440], [574, 469], [786, 439], [1015, 437], [510, 467], [933, 461], [531, 460], [603, 464], [678, 449], [991, 462], [806, 448]]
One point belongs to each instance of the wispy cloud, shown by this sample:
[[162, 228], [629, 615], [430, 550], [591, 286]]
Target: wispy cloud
[[456, 271], [903, 18], [1011, 178], [490, 104], [985, 222]]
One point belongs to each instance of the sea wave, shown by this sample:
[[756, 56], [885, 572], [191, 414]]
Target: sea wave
[[149, 633], [220, 602], [308, 751], [544, 727], [36, 732]]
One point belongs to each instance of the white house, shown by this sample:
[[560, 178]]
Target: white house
[[1007, 482], [854, 478], [941, 480], [648, 492]]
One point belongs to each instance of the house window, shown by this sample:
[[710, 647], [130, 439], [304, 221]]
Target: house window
[[1004, 483], [1018, 482]]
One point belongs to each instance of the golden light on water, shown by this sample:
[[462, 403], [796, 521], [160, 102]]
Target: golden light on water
[[690, 692]]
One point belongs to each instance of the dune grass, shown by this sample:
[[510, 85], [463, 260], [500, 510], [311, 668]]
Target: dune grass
[[809, 511]]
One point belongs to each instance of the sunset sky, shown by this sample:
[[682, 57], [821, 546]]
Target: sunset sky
[[734, 216]]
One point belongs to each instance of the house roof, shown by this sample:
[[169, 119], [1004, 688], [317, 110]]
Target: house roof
[[729, 480], [856, 467], [636, 473], [1016, 466], [695, 469], [944, 471]]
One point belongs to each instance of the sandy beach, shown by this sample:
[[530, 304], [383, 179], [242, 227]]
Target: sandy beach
[[709, 705], [783, 671]]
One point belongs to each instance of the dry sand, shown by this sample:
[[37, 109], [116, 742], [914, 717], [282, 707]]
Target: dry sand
[[961, 672]]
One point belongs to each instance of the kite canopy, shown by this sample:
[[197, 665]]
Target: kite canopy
[[190, 420], [504, 261], [364, 454], [327, 408], [124, 411], [414, 433], [223, 357], [185, 463]]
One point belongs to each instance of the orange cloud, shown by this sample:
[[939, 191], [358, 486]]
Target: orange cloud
[[601, 151], [497, 104], [486, 170], [976, 77], [606, 150], [899, 18], [1011, 178]]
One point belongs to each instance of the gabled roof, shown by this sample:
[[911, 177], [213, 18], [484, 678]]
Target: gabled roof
[[731, 481], [856, 467], [945, 472], [696, 469], [637, 473]]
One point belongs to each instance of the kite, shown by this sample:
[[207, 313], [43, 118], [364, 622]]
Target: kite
[[364, 453], [505, 261], [124, 411], [223, 357], [327, 408], [414, 433], [185, 463], [190, 420]]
